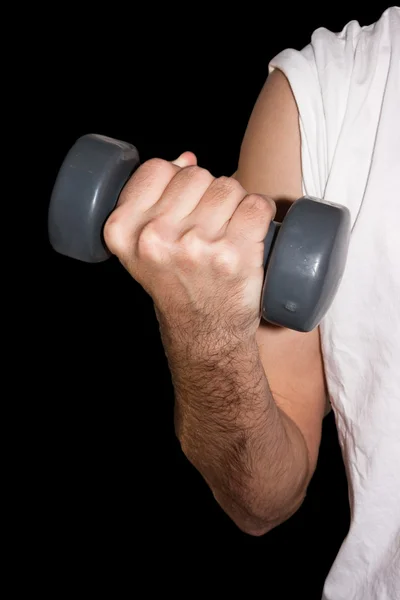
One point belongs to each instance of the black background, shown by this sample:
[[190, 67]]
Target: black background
[[120, 507]]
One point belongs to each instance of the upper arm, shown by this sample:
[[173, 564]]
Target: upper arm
[[270, 163]]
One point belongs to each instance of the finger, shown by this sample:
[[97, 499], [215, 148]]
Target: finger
[[252, 218], [142, 191], [147, 184], [182, 195], [186, 159], [214, 211]]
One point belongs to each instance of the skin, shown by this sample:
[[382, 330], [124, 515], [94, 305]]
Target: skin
[[249, 398]]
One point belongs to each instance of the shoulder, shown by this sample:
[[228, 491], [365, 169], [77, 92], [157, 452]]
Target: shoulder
[[332, 79], [333, 53]]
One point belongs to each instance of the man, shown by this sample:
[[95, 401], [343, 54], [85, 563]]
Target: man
[[250, 398]]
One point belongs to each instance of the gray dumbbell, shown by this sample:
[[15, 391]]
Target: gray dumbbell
[[304, 256]]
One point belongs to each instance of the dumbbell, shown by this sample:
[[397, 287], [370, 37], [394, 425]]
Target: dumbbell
[[304, 255]]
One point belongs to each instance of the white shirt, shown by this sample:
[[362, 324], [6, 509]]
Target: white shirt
[[347, 88]]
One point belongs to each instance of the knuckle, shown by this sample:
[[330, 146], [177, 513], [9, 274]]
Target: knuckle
[[222, 187], [153, 168], [228, 184], [254, 203], [191, 246], [116, 234], [223, 181], [227, 258], [145, 176], [151, 241], [195, 172], [157, 164]]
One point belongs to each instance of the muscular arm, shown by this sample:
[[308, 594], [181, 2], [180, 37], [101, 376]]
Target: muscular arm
[[252, 456], [249, 419]]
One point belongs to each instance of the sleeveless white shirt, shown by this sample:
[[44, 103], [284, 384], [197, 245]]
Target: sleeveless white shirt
[[347, 88]]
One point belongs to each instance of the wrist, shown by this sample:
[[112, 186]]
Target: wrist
[[212, 348], [209, 341]]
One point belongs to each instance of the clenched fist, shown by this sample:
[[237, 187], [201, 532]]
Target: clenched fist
[[196, 244]]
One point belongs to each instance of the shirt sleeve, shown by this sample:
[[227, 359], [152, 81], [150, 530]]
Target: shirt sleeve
[[320, 76]]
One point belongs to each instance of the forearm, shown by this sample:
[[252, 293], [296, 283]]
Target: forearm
[[253, 457]]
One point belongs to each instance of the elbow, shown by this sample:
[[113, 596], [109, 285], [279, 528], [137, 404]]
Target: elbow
[[258, 527], [256, 531], [257, 521], [254, 525]]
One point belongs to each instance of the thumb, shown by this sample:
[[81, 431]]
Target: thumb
[[186, 159]]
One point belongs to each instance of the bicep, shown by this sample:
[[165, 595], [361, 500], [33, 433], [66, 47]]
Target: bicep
[[270, 155], [270, 164]]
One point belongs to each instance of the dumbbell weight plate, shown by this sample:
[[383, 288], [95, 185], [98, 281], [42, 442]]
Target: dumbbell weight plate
[[306, 264], [86, 191]]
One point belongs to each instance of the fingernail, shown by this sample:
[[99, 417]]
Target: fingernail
[[185, 159]]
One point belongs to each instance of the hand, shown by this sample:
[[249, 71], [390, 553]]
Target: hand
[[196, 244]]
